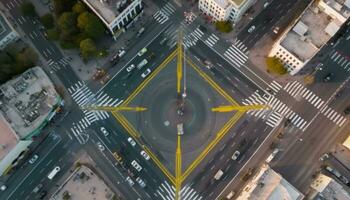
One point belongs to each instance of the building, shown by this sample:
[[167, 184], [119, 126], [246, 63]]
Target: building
[[346, 143], [117, 15], [324, 187], [269, 185], [225, 10], [27, 103], [7, 32], [318, 23]]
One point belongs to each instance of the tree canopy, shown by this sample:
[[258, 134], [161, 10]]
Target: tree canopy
[[88, 48], [223, 26], [79, 8], [48, 21], [67, 24], [28, 9], [275, 65]]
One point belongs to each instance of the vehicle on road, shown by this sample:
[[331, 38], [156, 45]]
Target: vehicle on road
[[218, 174], [272, 155], [142, 51], [145, 73], [251, 29], [142, 64], [163, 41], [33, 159], [235, 155], [3, 187], [131, 141], [130, 68], [276, 29], [230, 195], [121, 53], [130, 182], [139, 33], [100, 146], [53, 173], [266, 4], [347, 110], [38, 188], [145, 155], [136, 165], [105, 79], [117, 157], [104, 131], [140, 182], [328, 77]]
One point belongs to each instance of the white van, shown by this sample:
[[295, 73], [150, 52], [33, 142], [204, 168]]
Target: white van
[[218, 174]]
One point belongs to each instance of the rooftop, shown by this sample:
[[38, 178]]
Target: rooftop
[[269, 185], [27, 100], [327, 188], [108, 10], [5, 29], [341, 6], [8, 138], [84, 184], [222, 3], [238, 3], [310, 33]]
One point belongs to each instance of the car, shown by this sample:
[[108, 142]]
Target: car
[[33, 159], [276, 29], [266, 4], [140, 182], [117, 157], [104, 131], [347, 110], [142, 64], [145, 73], [130, 68], [235, 155], [130, 182], [145, 155], [121, 53], [38, 188], [136, 165], [142, 51], [131, 141], [100, 146], [251, 29], [139, 33], [328, 77], [3, 187]]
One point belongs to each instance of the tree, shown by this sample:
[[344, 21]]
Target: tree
[[83, 19], [61, 6], [25, 59], [53, 34], [94, 28], [79, 8], [67, 24], [275, 65], [48, 21], [28, 9], [223, 26], [88, 48]]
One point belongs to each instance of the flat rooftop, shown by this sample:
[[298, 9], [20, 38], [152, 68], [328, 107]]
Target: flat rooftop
[[27, 100], [5, 29], [84, 184], [238, 3], [269, 185], [328, 188], [108, 10], [341, 6], [222, 3], [8, 139], [313, 30]]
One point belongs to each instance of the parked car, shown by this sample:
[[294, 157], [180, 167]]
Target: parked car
[[145, 73], [104, 131], [130, 68], [251, 29], [235, 155], [140, 182], [131, 141], [100, 146], [136, 165], [142, 51], [145, 155], [130, 182], [33, 159]]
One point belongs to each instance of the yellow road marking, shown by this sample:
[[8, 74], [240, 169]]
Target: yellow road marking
[[126, 124], [211, 82], [179, 63], [178, 169], [149, 78], [239, 108], [212, 144]]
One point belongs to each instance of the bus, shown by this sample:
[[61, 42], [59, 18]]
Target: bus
[[53, 173]]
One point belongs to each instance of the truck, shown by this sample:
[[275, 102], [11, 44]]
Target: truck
[[53, 173], [142, 64], [218, 174]]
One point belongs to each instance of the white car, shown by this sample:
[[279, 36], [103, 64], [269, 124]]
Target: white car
[[100, 146], [143, 51], [251, 29], [276, 29], [136, 165], [145, 155], [3, 187], [131, 67], [104, 131], [131, 182], [131, 141], [33, 159], [235, 155], [140, 182], [144, 74]]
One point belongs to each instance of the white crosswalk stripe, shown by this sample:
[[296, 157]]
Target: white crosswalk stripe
[[164, 13], [275, 86], [334, 116], [192, 38], [211, 40], [341, 60], [236, 54], [167, 192]]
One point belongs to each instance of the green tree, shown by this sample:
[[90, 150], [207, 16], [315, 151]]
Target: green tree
[[28, 9], [275, 65], [61, 6], [88, 48], [67, 24], [53, 34], [25, 59], [94, 28], [79, 8], [83, 19], [223, 26], [48, 21]]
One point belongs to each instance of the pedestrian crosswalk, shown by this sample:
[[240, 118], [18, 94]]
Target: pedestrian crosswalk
[[162, 15], [236, 54], [297, 90], [275, 86], [167, 192], [212, 40], [57, 65], [276, 112], [341, 60], [192, 38]]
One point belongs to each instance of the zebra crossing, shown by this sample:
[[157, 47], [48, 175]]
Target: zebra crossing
[[162, 15], [278, 110], [298, 90], [57, 65], [82, 95], [341, 60], [167, 192], [192, 38], [237, 53], [275, 86], [212, 40]]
